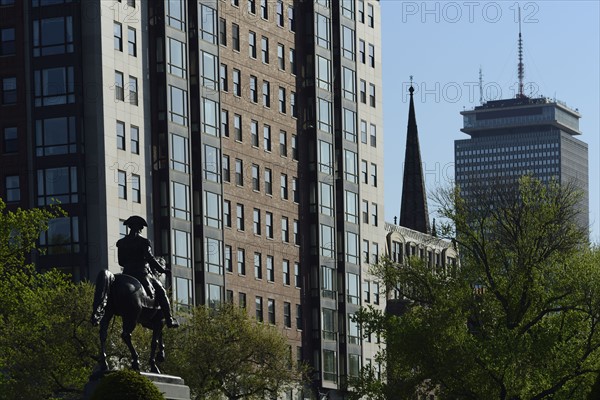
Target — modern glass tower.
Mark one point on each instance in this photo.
(513, 137)
(249, 134)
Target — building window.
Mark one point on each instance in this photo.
(178, 106)
(297, 278)
(352, 251)
(350, 168)
(352, 289)
(282, 105)
(296, 236)
(373, 135)
(264, 42)
(294, 147)
(255, 177)
(11, 143)
(327, 242)
(327, 282)
(374, 214)
(212, 169)
(181, 248)
(325, 120)
(351, 207)
(285, 230)
(284, 187)
(295, 190)
(133, 90)
(228, 262)
(179, 153)
(325, 198)
(325, 161)
(183, 293)
(254, 133)
(134, 133)
(256, 221)
(323, 73)
(208, 24)
(348, 43)
(239, 172)
(364, 173)
(267, 137)
(266, 94)
(62, 236)
(241, 261)
(291, 19)
(353, 338)
(176, 63)
(209, 71)
(348, 8)
(322, 31)
(131, 3)
(268, 181)
(242, 300)
(121, 181)
(374, 175)
(180, 201)
(226, 169)
(257, 266)
(240, 217)
(365, 211)
(362, 52)
(131, 42)
(269, 224)
(371, 95)
(365, 259)
(252, 6)
(349, 125)
(235, 37)
(120, 135)
(280, 21)
(227, 213)
(361, 11)
(363, 131)
(371, 55)
(136, 192)
(13, 188)
(210, 122)
(52, 86)
(363, 91)
(176, 14)
(293, 109)
(252, 44)
(293, 61)
(117, 34)
(258, 305)
(287, 314)
(375, 252)
(285, 267)
(222, 32)
(281, 56)
(7, 40)
(271, 311)
(225, 123)
(329, 331)
(270, 270)
(283, 143)
(370, 16)
(348, 84)
(253, 89)
(237, 88)
(237, 127)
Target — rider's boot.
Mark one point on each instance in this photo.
(161, 296)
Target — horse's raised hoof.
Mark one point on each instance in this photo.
(160, 357)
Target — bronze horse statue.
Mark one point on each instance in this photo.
(124, 295)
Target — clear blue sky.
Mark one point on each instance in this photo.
(443, 44)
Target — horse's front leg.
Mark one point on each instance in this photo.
(103, 364)
(128, 327)
(160, 357)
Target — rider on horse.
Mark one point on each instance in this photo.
(135, 256)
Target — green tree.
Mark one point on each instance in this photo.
(126, 385)
(517, 320)
(224, 352)
(46, 342)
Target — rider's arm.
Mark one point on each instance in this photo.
(154, 265)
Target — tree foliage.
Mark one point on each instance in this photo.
(517, 320)
(224, 352)
(126, 385)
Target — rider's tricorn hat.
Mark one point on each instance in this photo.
(135, 222)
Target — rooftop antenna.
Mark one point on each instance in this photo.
(521, 67)
(480, 85)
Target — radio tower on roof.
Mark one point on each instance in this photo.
(521, 66)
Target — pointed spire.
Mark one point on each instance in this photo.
(520, 66)
(413, 209)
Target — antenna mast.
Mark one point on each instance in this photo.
(480, 85)
(521, 67)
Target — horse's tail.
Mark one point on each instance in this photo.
(103, 282)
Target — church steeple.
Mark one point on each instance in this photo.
(413, 209)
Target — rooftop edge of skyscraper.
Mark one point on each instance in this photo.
(520, 112)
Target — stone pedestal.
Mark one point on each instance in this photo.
(172, 387)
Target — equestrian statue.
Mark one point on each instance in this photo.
(137, 295)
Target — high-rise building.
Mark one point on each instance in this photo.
(513, 137)
(249, 134)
